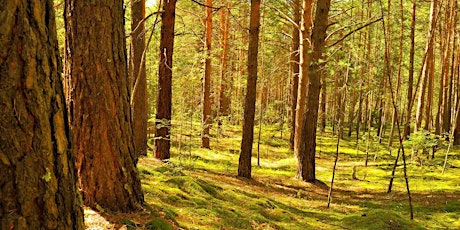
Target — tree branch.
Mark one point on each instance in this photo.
(353, 31)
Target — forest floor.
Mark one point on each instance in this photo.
(198, 188)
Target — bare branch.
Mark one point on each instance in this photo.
(353, 31)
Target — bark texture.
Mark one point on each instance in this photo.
(206, 97)
(295, 68)
(305, 49)
(98, 96)
(244, 165)
(38, 188)
(164, 100)
(138, 77)
(307, 150)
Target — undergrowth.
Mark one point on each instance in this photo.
(198, 188)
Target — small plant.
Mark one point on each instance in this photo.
(422, 140)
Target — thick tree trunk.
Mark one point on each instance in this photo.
(306, 156)
(226, 78)
(138, 77)
(98, 95)
(304, 49)
(206, 100)
(38, 183)
(295, 61)
(164, 99)
(244, 165)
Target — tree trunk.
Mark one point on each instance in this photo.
(99, 111)
(426, 66)
(410, 81)
(394, 118)
(226, 79)
(37, 177)
(138, 77)
(304, 48)
(306, 156)
(164, 100)
(206, 116)
(244, 165)
(295, 60)
(322, 106)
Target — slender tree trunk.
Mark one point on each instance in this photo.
(99, 111)
(164, 100)
(304, 48)
(398, 84)
(244, 165)
(306, 156)
(37, 177)
(206, 117)
(427, 64)
(138, 77)
(322, 106)
(295, 68)
(226, 79)
(410, 81)
(448, 61)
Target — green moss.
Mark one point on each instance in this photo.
(379, 219)
(159, 224)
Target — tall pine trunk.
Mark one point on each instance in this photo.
(98, 95)
(294, 63)
(164, 98)
(226, 77)
(206, 100)
(244, 165)
(138, 77)
(306, 156)
(304, 49)
(37, 171)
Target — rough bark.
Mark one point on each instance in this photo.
(164, 98)
(306, 156)
(304, 48)
(206, 100)
(295, 61)
(98, 95)
(138, 77)
(38, 187)
(244, 165)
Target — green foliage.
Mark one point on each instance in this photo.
(422, 140)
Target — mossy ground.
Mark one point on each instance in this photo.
(198, 188)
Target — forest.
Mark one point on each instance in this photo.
(229, 114)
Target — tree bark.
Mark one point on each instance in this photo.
(306, 156)
(295, 61)
(98, 95)
(164, 99)
(304, 49)
(138, 77)
(428, 63)
(206, 100)
(410, 81)
(244, 164)
(226, 79)
(38, 188)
